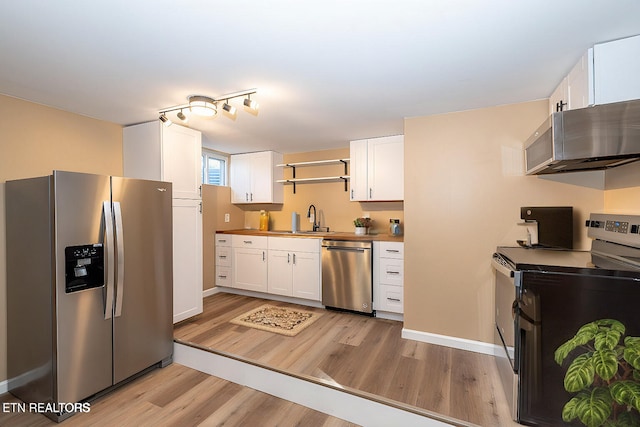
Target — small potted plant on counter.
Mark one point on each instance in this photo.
(362, 225)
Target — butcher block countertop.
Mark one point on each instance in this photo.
(335, 235)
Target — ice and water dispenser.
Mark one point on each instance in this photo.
(84, 267)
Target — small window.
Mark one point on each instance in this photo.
(214, 168)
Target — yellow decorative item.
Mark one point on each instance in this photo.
(264, 221)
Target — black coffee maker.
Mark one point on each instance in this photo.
(553, 225)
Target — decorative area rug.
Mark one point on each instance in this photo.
(281, 320)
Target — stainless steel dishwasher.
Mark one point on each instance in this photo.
(347, 275)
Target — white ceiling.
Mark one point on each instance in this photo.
(326, 71)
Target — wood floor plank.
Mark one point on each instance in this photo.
(179, 396)
(362, 353)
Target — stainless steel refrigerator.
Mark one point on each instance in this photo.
(89, 285)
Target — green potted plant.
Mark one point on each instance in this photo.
(605, 376)
(362, 225)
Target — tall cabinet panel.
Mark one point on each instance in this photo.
(153, 151)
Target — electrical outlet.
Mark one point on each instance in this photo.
(366, 215)
(227, 217)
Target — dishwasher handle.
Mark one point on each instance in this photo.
(343, 249)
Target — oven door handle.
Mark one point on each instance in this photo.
(525, 321)
(501, 268)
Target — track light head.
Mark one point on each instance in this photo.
(165, 120)
(202, 105)
(182, 117)
(229, 108)
(249, 103)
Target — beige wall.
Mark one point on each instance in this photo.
(35, 140)
(464, 187)
(335, 210)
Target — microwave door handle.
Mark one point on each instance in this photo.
(117, 214)
(110, 261)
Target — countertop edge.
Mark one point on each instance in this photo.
(337, 235)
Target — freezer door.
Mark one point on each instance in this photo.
(143, 327)
(83, 337)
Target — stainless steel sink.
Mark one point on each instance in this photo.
(301, 232)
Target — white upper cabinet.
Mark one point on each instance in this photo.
(157, 152)
(608, 72)
(377, 169)
(253, 178)
(617, 70)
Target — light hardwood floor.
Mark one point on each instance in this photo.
(362, 353)
(182, 397)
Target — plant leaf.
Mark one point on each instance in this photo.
(628, 419)
(607, 339)
(586, 333)
(570, 409)
(595, 407)
(626, 393)
(632, 355)
(563, 351)
(605, 363)
(632, 342)
(580, 373)
(613, 325)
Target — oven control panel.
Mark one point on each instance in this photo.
(623, 229)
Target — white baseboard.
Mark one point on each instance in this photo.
(274, 297)
(447, 341)
(4, 386)
(210, 291)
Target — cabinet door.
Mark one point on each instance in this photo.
(250, 269)
(279, 273)
(240, 178)
(580, 83)
(385, 173)
(559, 97)
(261, 178)
(617, 70)
(187, 259)
(306, 275)
(181, 160)
(358, 170)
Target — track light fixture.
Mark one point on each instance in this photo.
(165, 121)
(182, 117)
(229, 108)
(208, 107)
(251, 104)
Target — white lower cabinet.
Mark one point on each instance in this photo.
(388, 276)
(223, 260)
(249, 262)
(294, 267)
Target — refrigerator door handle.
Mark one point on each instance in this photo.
(117, 214)
(110, 254)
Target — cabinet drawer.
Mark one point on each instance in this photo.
(391, 299)
(223, 240)
(223, 276)
(391, 250)
(391, 271)
(243, 241)
(295, 244)
(223, 256)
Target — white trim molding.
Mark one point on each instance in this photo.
(448, 341)
(327, 399)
